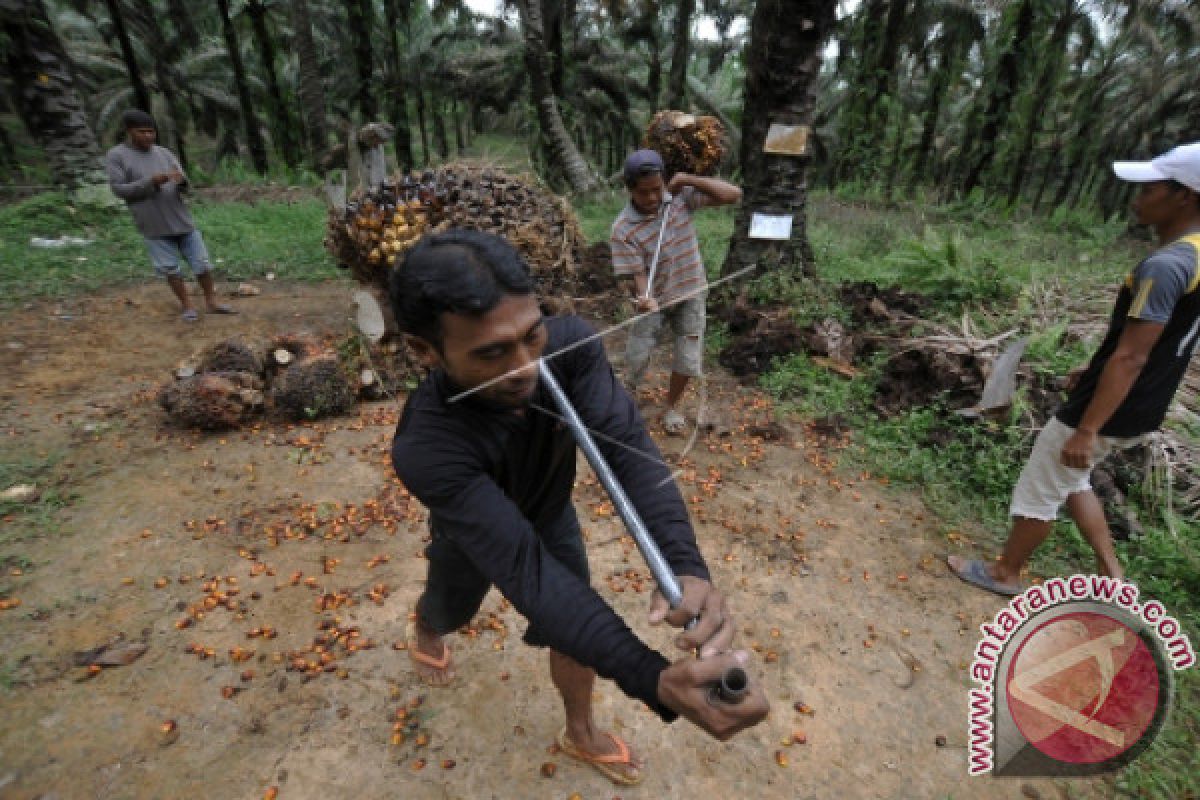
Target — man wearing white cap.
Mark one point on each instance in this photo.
(1124, 391)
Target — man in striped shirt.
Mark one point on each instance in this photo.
(677, 296)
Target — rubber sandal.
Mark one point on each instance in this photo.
(191, 315)
(607, 763)
(976, 573)
(222, 308)
(410, 637)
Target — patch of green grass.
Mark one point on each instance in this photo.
(968, 254)
(813, 390)
(244, 240)
(236, 171)
(23, 520)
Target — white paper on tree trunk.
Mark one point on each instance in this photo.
(770, 226)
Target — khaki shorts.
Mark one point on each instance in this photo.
(1046, 482)
(686, 320)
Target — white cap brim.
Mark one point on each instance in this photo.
(1138, 171)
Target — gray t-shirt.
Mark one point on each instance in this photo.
(157, 210)
(1164, 290)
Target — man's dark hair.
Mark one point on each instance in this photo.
(456, 272)
(136, 118)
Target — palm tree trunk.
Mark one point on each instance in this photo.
(1080, 142)
(552, 17)
(359, 14)
(460, 138)
(281, 121)
(422, 116)
(783, 60)
(312, 92)
(654, 65)
(1004, 90)
(185, 28)
(45, 94)
(440, 141)
(140, 93)
(396, 13)
(933, 109)
(1047, 170)
(1046, 83)
(563, 153)
(855, 109)
(677, 85)
(899, 128)
(254, 140)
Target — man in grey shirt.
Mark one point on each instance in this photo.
(1125, 390)
(150, 181)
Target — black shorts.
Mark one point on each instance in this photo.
(454, 588)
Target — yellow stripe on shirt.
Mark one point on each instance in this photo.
(1139, 302)
(1194, 240)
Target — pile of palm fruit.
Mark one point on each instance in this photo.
(378, 226)
(294, 376)
(687, 143)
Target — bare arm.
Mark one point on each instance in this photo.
(1118, 377)
(718, 192)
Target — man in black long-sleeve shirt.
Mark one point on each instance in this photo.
(496, 471)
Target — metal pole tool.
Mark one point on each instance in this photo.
(734, 683)
(662, 230)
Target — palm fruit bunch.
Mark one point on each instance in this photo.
(379, 225)
(214, 401)
(234, 355)
(307, 379)
(687, 143)
(312, 387)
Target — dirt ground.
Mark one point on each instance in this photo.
(837, 580)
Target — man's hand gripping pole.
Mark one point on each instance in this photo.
(734, 683)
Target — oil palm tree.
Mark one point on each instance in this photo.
(783, 62)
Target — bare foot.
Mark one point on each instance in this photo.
(610, 755)
(429, 655)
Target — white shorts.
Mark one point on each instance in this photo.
(1046, 482)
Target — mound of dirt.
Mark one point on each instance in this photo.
(872, 306)
(914, 377)
(760, 335)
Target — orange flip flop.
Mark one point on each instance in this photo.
(605, 763)
(410, 636)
